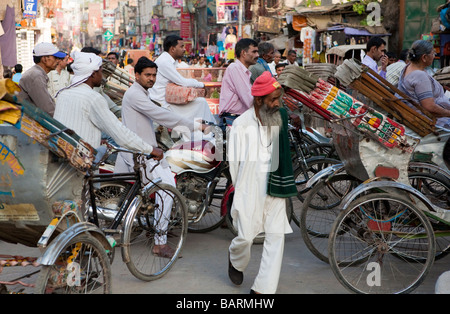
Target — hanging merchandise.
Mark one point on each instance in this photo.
(299, 22)
(8, 40)
(307, 36)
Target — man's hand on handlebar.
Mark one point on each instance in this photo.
(295, 121)
(206, 129)
(157, 153)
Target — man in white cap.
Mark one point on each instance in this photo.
(34, 82)
(86, 112)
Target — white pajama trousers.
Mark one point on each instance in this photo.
(163, 200)
(266, 281)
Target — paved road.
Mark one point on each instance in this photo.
(203, 269)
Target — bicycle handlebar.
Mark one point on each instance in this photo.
(115, 149)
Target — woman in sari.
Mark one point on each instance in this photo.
(417, 84)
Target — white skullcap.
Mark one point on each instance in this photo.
(84, 65)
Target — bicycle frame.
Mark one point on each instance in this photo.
(136, 188)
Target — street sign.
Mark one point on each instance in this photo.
(108, 36)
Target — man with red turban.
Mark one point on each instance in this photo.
(261, 171)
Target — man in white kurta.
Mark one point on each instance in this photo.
(250, 153)
(167, 73)
(138, 114)
(86, 112)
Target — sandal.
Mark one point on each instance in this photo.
(164, 251)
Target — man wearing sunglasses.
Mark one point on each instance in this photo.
(34, 82)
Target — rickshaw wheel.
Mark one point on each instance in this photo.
(82, 267)
(373, 240)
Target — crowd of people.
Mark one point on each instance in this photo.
(249, 101)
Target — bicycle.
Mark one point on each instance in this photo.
(138, 213)
(308, 159)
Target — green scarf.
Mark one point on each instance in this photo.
(281, 181)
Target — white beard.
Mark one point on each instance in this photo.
(271, 119)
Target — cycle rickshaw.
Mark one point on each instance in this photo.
(380, 216)
(41, 176)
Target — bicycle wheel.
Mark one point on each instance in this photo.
(259, 239)
(213, 217)
(82, 267)
(151, 222)
(372, 243)
(302, 174)
(320, 209)
(437, 189)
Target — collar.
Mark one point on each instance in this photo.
(169, 58)
(242, 66)
(40, 69)
(370, 59)
(140, 87)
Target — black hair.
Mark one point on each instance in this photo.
(91, 50)
(280, 65)
(404, 54)
(171, 41)
(375, 41)
(243, 45)
(144, 63)
(391, 54)
(113, 53)
(36, 59)
(18, 68)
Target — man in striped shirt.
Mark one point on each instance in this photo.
(394, 70)
(86, 112)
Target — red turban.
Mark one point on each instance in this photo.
(265, 84)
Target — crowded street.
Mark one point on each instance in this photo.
(224, 147)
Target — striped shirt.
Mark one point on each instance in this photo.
(235, 93)
(86, 112)
(394, 71)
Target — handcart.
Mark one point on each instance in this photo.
(41, 173)
(387, 228)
